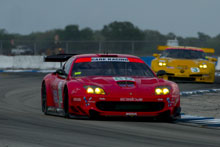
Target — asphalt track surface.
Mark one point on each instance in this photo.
(23, 124)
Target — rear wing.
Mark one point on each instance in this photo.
(58, 57)
(206, 50)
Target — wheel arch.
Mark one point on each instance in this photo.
(65, 89)
(48, 92)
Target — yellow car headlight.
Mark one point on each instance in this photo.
(94, 90)
(162, 90)
(203, 66)
(162, 63)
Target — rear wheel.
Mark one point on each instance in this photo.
(66, 104)
(44, 99)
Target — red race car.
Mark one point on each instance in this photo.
(95, 85)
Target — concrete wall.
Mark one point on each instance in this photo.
(26, 62)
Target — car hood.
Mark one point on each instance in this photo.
(124, 86)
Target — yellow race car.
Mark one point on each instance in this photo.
(185, 64)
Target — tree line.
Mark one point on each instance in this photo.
(115, 31)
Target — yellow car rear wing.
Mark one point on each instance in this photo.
(206, 50)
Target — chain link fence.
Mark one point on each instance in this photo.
(138, 48)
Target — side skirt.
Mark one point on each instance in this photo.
(60, 112)
(55, 111)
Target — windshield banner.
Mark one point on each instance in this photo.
(95, 59)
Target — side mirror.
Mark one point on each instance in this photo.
(161, 73)
(156, 55)
(211, 59)
(61, 73)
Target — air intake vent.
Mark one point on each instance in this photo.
(125, 83)
(130, 106)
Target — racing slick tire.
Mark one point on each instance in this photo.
(165, 117)
(66, 103)
(94, 115)
(44, 99)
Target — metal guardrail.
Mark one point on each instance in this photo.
(48, 47)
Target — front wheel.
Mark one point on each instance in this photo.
(66, 104)
(165, 117)
(44, 99)
(94, 115)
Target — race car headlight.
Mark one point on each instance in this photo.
(203, 66)
(162, 90)
(90, 90)
(162, 63)
(94, 90)
(99, 91)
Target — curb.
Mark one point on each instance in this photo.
(199, 92)
(198, 120)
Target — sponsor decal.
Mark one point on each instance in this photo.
(75, 90)
(132, 99)
(51, 109)
(131, 114)
(205, 75)
(169, 102)
(77, 99)
(102, 99)
(55, 96)
(160, 99)
(91, 102)
(96, 59)
(87, 102)
(60, 94)
(123, 79)
(77, 73)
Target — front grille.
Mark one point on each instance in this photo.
(170, 74)
(196, 75)
(181, 79)
(130, 106)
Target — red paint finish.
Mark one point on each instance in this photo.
(124, 95)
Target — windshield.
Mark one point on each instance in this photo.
(183, 54)
(111, 69)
